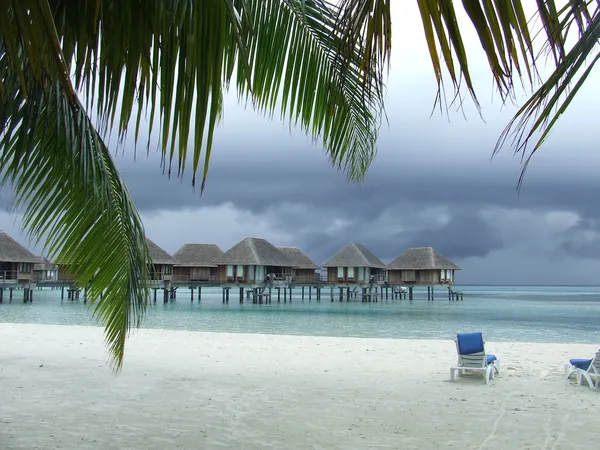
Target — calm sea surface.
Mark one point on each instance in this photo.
(532, 313)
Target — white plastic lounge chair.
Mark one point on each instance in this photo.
(572, 365)
(472, 357)
(591, 373)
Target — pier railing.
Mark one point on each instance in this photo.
(195, 279)
(8, 275)
(310, 278)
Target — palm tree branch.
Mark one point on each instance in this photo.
(192, 49)
(541, 112)
(73, 198)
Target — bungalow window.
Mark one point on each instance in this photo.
(340, 274)
(251, 272)
(240, 272)
(24, 267)
(166, 270)
(260, 273)
(351, 273)
(229, 271)
(367, 273)
(361, 273)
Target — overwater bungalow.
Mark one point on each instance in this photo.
(304, 270)
(16, 262)
(424, 265)
(194, 262)
(354, 264)
(45, 270)
(251, 260)
(162, 263)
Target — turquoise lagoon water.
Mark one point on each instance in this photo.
(532, 313)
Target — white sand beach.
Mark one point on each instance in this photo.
(190, 390)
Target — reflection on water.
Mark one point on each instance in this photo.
(539, 314)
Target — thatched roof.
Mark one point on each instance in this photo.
(423, 258)
(254, 251)
(197, 255)
(44, 264)
(354, 255)
(158, 255)
(299, 259)
(13, 252)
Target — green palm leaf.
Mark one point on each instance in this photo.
(513, 50)
(73, 197)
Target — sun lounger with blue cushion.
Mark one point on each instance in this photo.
(472, 357)
(572, 365)
(588, 369)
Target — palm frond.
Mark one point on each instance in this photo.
(295, 56)
(285, 51)
(504, 35)
(550, 101)
(513, 49)
(368, 24)
(71, 193)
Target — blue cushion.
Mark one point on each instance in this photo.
(469, 343)
(491, 358)
(583, 364)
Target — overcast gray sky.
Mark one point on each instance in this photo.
(432, 184)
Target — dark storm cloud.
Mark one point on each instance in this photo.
(258, 184)
(583, 240)
(463, 237)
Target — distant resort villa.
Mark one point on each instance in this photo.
(256, 267)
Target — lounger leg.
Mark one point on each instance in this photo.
(589, 380)
(487, 374)
(452, 374)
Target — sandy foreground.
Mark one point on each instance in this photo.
(190, 390)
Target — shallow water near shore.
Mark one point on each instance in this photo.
(558, 314)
